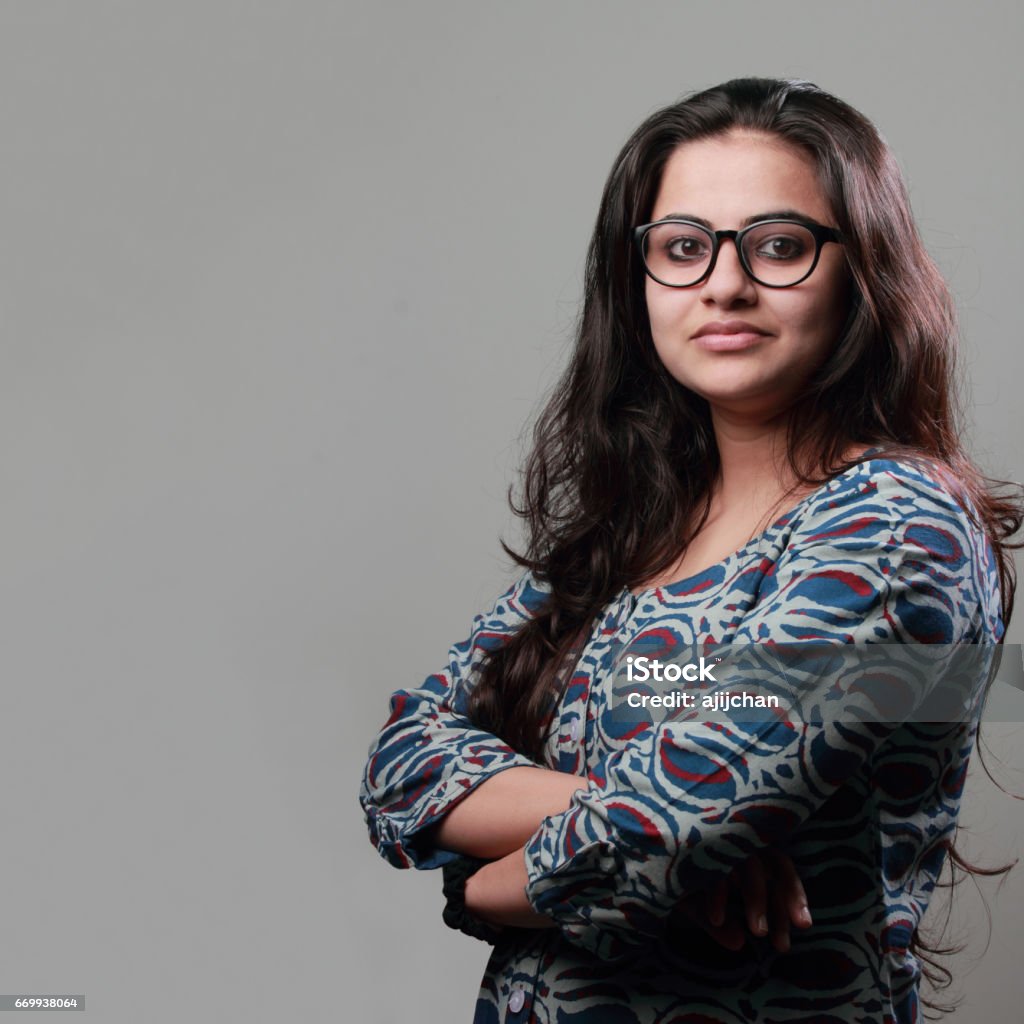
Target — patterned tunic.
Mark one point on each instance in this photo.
(882, 553)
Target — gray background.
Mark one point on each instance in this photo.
(281, 286)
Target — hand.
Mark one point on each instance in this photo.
(773, 900)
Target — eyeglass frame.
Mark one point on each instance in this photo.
(821, 234)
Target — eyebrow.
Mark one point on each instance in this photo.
(753, 219)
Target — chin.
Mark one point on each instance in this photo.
(756, 400)
(731, 390)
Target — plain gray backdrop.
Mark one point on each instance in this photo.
(282, 286)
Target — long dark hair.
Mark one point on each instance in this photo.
(620, 474)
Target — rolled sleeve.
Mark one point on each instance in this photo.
(428, 755)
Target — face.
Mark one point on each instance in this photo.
(756, 373)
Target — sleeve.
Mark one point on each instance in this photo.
(889, 561)
(428, 756)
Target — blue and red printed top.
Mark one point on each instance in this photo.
(882, 553)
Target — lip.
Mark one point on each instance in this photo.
(728, 335)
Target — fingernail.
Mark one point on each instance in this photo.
(762, 925)
(805, 916)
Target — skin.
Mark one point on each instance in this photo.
(725, 180)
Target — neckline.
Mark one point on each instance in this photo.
(867, 455)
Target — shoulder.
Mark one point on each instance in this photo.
(524, 599)
(894, 493)
(492, 628)
(901, 522)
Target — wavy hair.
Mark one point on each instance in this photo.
(624, 458)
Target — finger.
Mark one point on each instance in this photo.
(788, 881)
(729, 935)
(779, 920)
(755, 895)
(717, 897)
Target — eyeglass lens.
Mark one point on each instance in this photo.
(777, 254)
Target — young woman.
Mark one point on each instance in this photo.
(755, 442)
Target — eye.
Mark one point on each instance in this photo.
(685, 248)
(780, 247)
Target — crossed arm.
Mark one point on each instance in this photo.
(496, 820)
(862, 567)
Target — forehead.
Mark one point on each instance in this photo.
(735, 176)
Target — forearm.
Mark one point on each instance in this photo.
(497, 893)
(500, 814)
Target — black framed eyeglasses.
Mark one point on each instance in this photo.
(774, 253)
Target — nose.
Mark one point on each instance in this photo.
(728, 284)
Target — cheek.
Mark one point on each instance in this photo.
(809, 318)
(667, 308)
(831, 301)
(653, 307)
(815, 318)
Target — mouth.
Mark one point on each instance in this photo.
(728, 336)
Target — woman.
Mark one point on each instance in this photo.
(755, 442)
